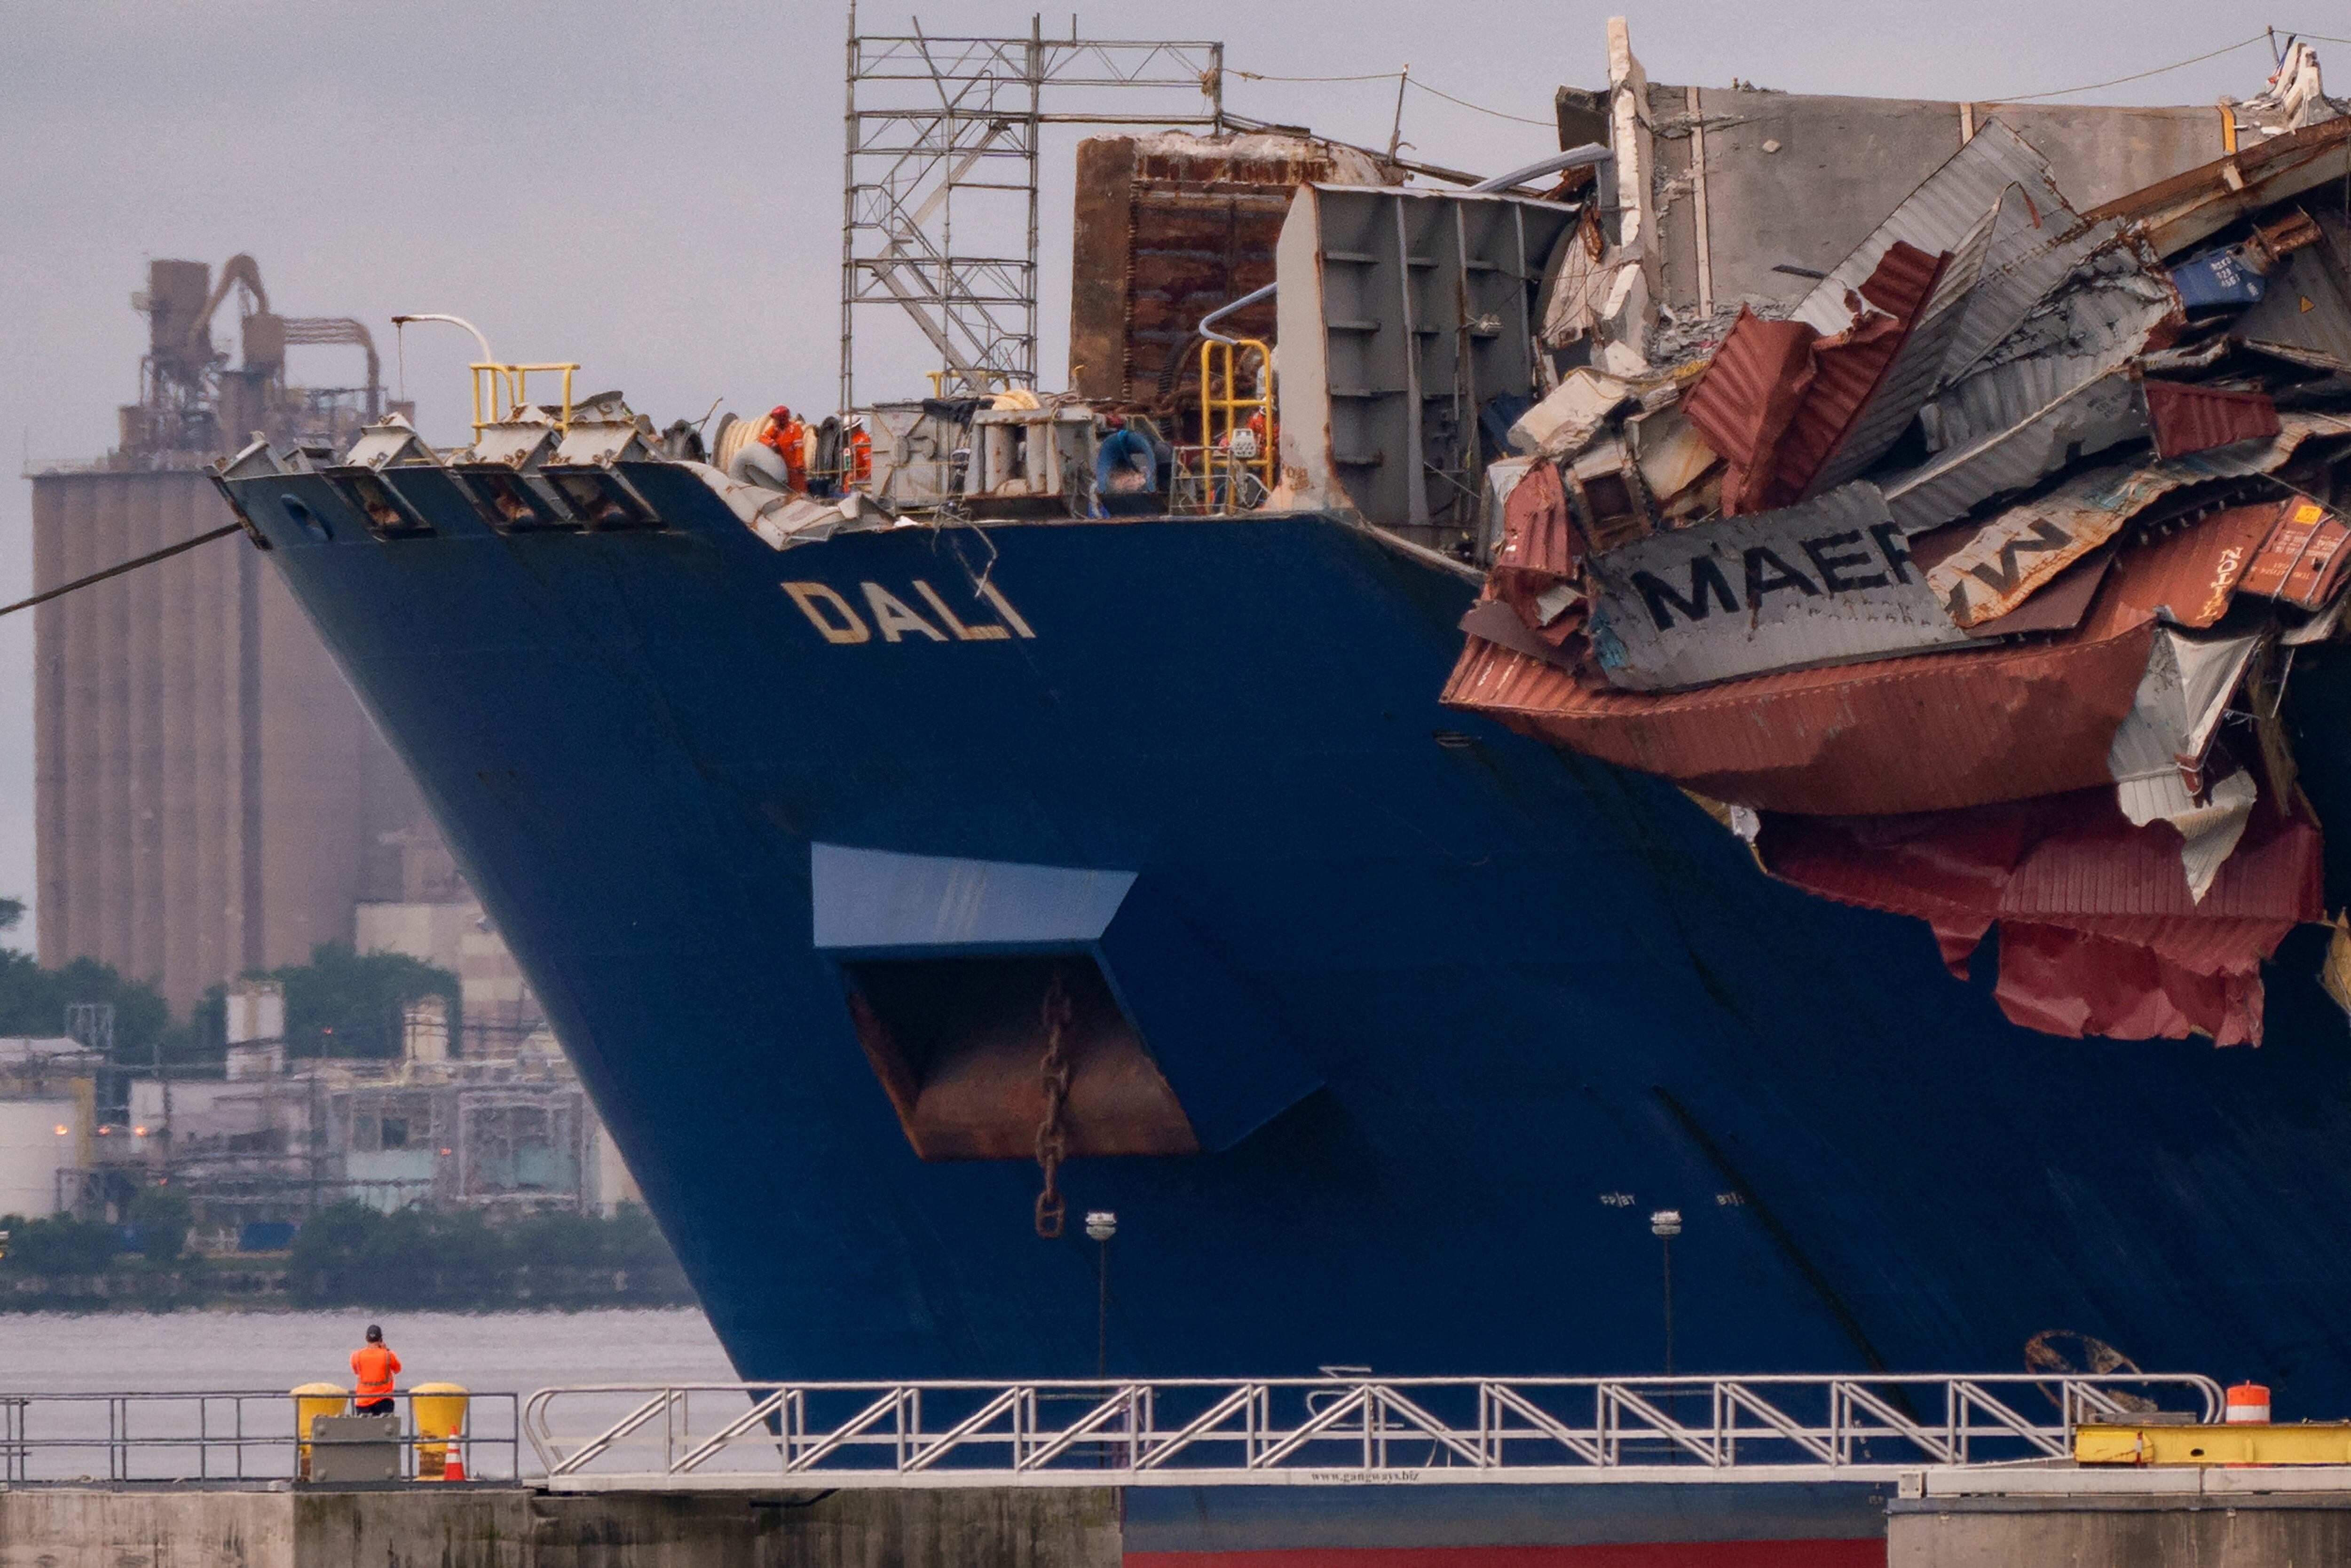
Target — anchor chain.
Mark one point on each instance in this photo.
(1053, 1136)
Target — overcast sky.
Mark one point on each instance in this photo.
(653, 191)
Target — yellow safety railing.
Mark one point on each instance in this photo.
(508, 390)
(987, 378)
(1226, 408)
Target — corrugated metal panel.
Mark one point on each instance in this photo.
(1930, 732)
(1849, 376)
(1941, 214)
(2189, 577)
(2090, 418)
(2007, 294)
(2184, 417)
(2099, 933)
(1823, 582)
(1780, 403)
(2010, 557)
(1915, 369)
(2306, 317)
(1743, 400)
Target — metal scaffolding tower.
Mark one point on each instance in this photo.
(940, 179)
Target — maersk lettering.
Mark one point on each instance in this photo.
(1838, 557)
(838, 621)
(1832, 565)
(1707, 585)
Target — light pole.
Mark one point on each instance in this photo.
(1102, 1224)
(1664, 1225)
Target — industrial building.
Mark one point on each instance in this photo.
(210, 799)
(272, 1141)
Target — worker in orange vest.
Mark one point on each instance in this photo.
(374, 1366)
(860, 454)
(784, 435)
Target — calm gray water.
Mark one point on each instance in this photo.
(503, 1352)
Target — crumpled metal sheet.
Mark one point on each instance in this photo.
(2161, 749)
(1749, 390)
(2184, 417)
(2026, 547)
(1886, 408)
(1927, 732)
(1788, 403)
(1825, 582)
(2009, 290)
(1851, 370)
(1939, 215)
(2306, 317)
(2099, 933)
(1539, 549)
(2190, 576)
(2088, 418)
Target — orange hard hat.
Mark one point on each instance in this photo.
(779, 413)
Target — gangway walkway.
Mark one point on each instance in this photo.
(1324, 1431)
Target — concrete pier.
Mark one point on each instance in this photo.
(482, 1525)
(2255, 1517)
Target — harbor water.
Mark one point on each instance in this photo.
(61, 1352)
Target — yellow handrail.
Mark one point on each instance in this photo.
(987, 378)
(509, 388)
(1225, 411)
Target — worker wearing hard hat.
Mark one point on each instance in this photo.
(860, 455)
(783, 432)
(373, 1367)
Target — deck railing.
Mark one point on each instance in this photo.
(1324, 1430)
(217, 1435)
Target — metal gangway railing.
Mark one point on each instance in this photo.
(1193, 1432)
(216, 1434)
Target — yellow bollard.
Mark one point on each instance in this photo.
(311, 1401)
(439, 1411)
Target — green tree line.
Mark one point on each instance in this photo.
(340, 1003)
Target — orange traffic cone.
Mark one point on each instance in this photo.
(454, 1470)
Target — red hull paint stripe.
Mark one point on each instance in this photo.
(1867, 1554)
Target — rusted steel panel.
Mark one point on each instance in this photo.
(1929, 732)
(1098, 256)
(2185, 418)
(1827, 581)
(1749, 391)
(2304, 559)
(2099, 933)
(2191, 577)
(1170, 227)
(1850, 370)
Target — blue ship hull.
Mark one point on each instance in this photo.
(1493, 1003)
